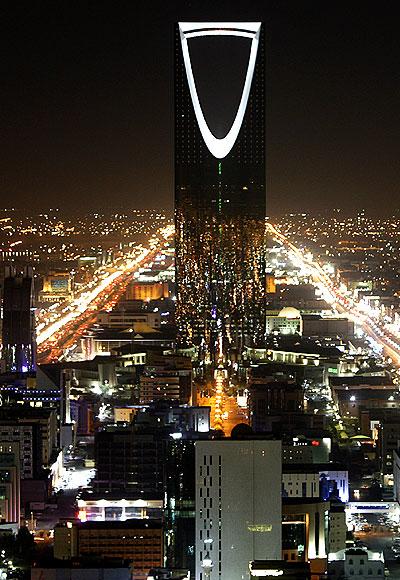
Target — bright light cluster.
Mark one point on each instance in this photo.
(220, 147)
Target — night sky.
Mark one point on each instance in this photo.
(86, 112)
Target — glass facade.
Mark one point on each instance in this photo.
(220, 201)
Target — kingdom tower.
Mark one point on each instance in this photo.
(220, 186)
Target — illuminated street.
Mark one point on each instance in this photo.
(56, 337)
(225, 412)
(375, 328)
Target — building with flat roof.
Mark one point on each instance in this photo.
(137, 541)
(238, 506)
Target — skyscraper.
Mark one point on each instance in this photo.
(19, 341)
(220, 185)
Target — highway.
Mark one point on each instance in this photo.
(375, 328)
(59, 330)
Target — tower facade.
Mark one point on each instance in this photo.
(220, 185)
(19, 340)
(238, 506)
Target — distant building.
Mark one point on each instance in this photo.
(147, 291)
(105, 341)
(296, 351)
(109, 507)
(180, 487)
(57, 286)
(388, 426)
(288, 321)
(122, 318)
(185, 419)
(300, 484)
(137, 541)
(268, 396)
(306, 449)
(302, 295)
(166, 377)
(130, 459)
(238, 506)
(360, 393)
(19, 340)
(326, 327)
(315, 480)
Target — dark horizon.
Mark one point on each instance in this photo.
(87, 104)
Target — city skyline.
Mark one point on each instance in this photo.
(213, 393)
(87, 105)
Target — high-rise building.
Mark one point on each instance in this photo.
(220, 185)
(19, 341)
(238, 506)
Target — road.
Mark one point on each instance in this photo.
(57, 336)
(231, 413)
(376, 329)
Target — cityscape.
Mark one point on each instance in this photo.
(208, 387)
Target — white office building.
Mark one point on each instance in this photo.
(238, 506)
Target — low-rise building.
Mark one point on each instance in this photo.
(315, 325)
(287, 321)
(356, 564)
(122, 318)
(137, 541)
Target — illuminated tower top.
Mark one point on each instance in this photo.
(220, 147)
